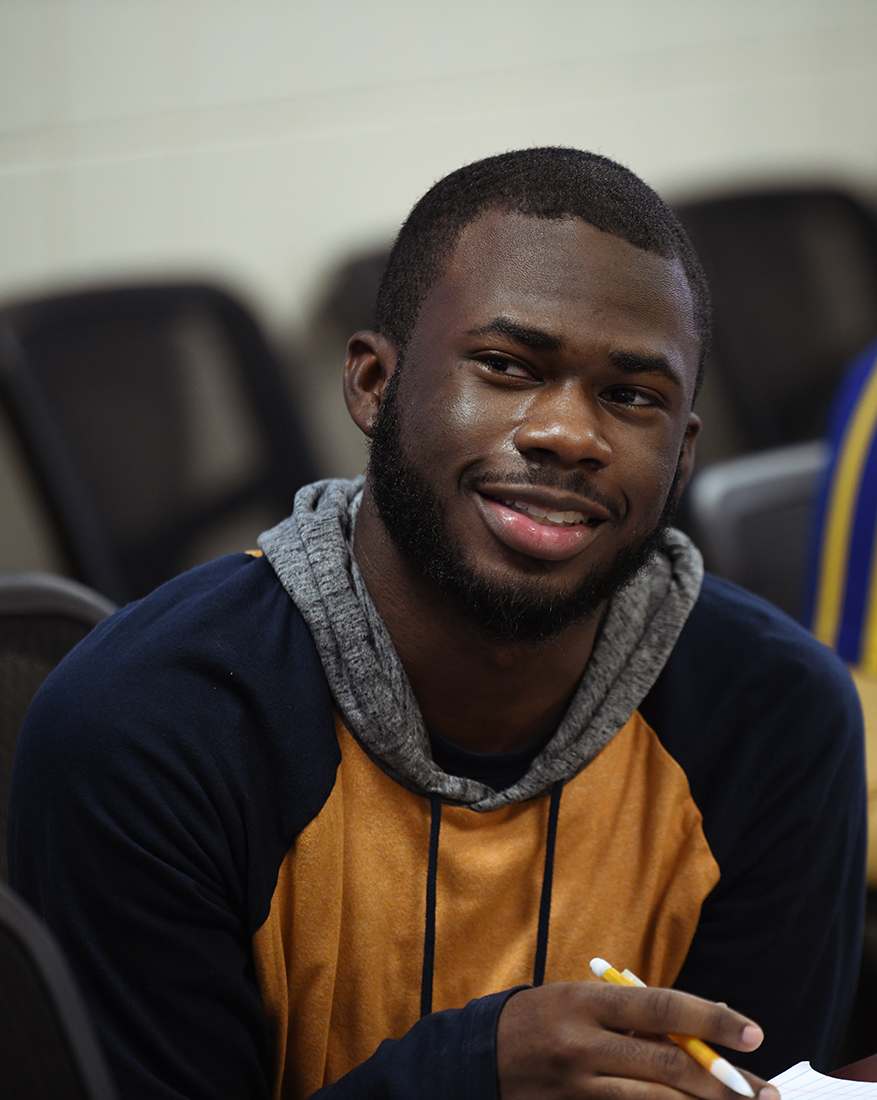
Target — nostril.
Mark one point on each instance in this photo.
(571, 444)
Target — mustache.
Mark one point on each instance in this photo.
(573, 481)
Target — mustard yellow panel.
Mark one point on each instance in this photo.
(340, 956)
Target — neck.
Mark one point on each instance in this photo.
(481, 694)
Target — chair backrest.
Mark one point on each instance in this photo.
(751, 518)
(841, 606)
(47, 1048)
(41, 618)
(794, 280)
(158, 423)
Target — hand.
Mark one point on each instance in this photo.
(590, 1040)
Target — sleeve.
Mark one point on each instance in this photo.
(128, 848)
(778, 770)
(161, 775)
(449, 1055)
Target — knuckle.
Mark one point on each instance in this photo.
(595, 998)
(615, 998)
(563, 1051)
(578, 999)
(668, 1007)
(610, 1048)
(563, 1044)
(666, 1062)
(719, 1018)
(609, 1088)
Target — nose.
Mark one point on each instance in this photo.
(563, 421)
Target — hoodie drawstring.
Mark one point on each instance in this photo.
(547, 878)
(435, 807)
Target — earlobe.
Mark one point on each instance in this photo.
(371, 360)
(686, 458)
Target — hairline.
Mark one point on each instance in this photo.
(444, 255)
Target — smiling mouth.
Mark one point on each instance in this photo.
(549, 518)
(539, 531)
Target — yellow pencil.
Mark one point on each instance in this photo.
(717, 1065)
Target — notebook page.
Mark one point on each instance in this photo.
(802, 1082)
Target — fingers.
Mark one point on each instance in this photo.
(669, 1012)
(598, 1042)
(641, 1059)
(626, 1088)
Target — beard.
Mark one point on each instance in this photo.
(526, 610)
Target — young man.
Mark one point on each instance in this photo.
(358, 813)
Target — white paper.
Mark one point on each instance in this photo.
(802, 1082)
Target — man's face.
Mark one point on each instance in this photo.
(526, 457)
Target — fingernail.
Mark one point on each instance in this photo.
(769, 1093)
(753, 1037)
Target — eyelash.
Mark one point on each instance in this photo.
(500, 360)
(502, 365)
(648, 401)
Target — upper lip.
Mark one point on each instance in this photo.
(550, 499)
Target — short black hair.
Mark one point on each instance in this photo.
(548, 182)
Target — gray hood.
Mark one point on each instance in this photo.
(311, 553)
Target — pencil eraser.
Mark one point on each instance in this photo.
(600, 966)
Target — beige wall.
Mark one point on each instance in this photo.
(259, 142)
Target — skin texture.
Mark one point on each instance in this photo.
(589, 1039)
(605, 399)
(552, 364)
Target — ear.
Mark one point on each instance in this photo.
(371, 360)
(686, 458)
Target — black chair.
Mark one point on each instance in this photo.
(158, 424)
(348, 301)
(41, 618)
(47, 1048)
(794, 279)
(751, 519)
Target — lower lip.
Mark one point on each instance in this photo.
(538, 540)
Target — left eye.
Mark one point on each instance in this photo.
(628, 395)
(509, 367)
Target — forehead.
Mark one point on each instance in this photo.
(568, 278)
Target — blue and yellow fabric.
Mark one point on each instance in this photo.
(841, 607)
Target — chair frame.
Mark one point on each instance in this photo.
(49, 594)
(45, 957)
(722, 496)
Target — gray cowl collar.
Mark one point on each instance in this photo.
(311, 553)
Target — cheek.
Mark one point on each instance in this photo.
(649, 479)
(456, 424)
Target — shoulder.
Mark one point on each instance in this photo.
(735, 642)
(748, 698)
(766, 725)
(233, 601)
(203, 702)
(212, 640)
(225, 617)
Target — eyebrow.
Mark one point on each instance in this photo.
(629, 362)
(536, 338)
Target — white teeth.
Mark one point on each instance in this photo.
(553, 519)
